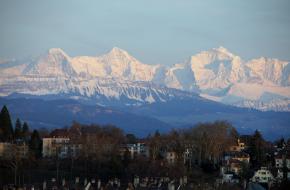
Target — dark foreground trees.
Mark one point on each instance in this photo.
(6, 128)
(102, 155)
(19, 148)
(209, 140)
(35, 144)
(194, 152)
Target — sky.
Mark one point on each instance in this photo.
(153, 31)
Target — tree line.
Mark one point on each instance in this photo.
(100, 154)
(20, 133)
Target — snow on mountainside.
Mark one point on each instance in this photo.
(55, 63)
(224, 77)
(216, 69)
(216, 74)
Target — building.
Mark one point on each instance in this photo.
(241, 156)
(230, 178)
(5, 149)
(170, 156)
(55, 147)
(282, 160)
(8, 150)
(187, 156)
(279, 161)
(233, 162)
(239, 146)
(280, 175)
(58, 144)
(22, 149)
(234, 166)
(137, 149)
(263, 176)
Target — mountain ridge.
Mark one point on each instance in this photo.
(216, 74)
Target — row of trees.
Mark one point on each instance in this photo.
(7, 132)
(205, 141)
(20, 134)
(100, 152)
(19, 139)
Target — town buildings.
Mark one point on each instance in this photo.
(263, 175)
(137, 149)
(58, 144)
(238, 147)
(8, 150)
(235, 158)
(282, 160)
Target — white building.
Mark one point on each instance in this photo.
(229, 178)
(137, 150)
(187, 156)
(280, 160)
(58, 144)
(280, 175)
(263, 176)
(55, 146)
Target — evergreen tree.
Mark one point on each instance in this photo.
(157, 134)
(1, 134)
(6, 125)
(35, 144)
(257, 149)
(25, 131)
(18, 129)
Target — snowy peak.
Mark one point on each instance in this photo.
(216, 74)
(117, 55)
(215, 54)
(119, 63)
(115, 64)
(118, 52)
(57, 55)
(224, 51)
(269, 71)
(54, 63)
(216, 68)
(57, 52)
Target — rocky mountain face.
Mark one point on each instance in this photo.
(216, 74)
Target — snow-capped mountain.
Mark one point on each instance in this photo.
(116, 64)
(259, 83)
(104, 80)
(216, 74)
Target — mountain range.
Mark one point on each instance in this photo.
(213, 84)
(216, 74)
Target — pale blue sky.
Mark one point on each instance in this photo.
(154, 31)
